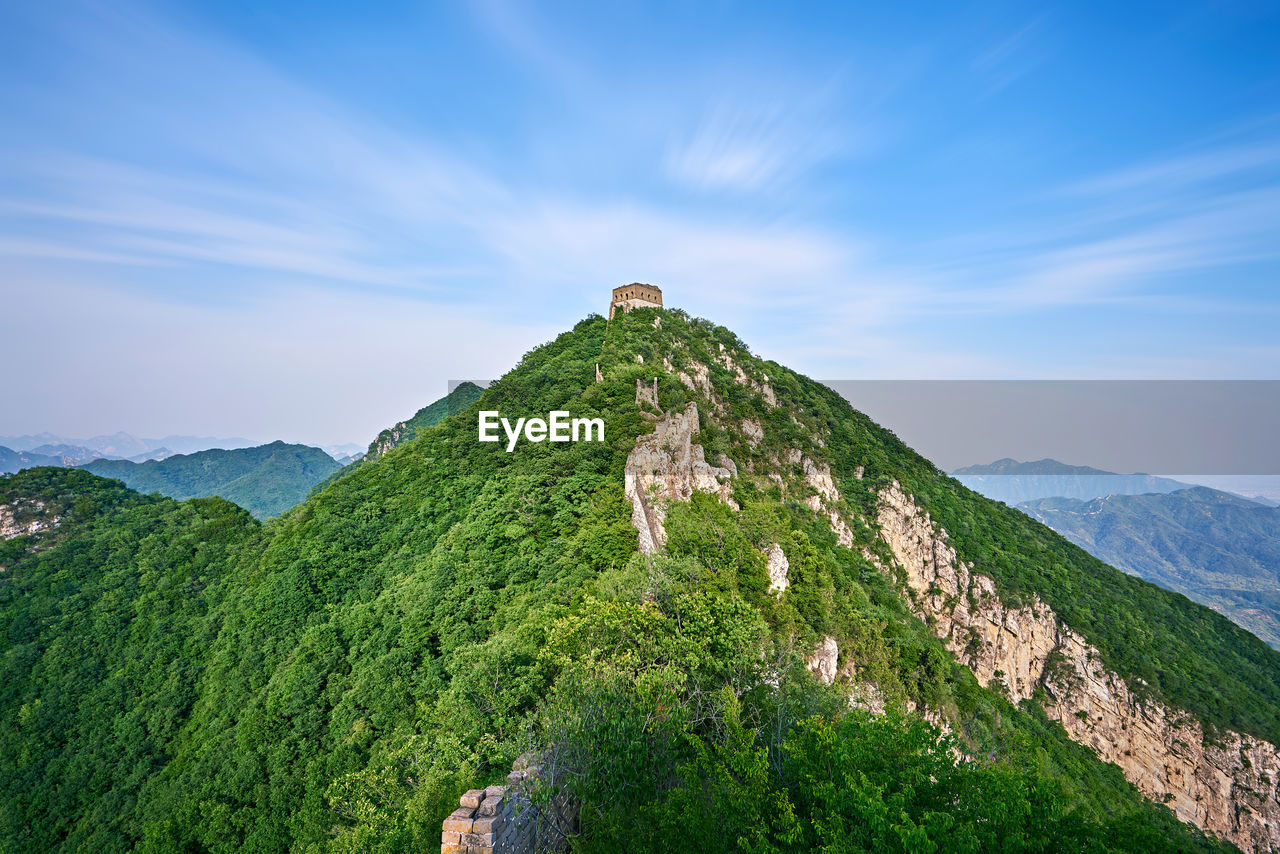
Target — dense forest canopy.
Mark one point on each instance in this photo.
(265, 480)
(175, 676)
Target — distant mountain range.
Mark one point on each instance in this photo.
(266, 480)
(117, 446)
(1214, 547)
(1218, 548)
(11, 460)
(49, 449)
(70, 455)
(1014, 482)
(347, 450)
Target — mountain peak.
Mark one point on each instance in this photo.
(410, 629)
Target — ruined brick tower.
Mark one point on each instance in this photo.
(635, 295)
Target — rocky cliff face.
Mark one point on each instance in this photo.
(825, 659)
(778, 567)
(25, 517)
(665, 466)
(387, 440)
(1229, 788)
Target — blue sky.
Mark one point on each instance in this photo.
(300, 220)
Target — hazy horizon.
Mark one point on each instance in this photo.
(225, 221)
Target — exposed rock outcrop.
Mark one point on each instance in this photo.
(778, 567)
(824, 660)
(666, 466)
(387, 440)
(740, 377)
(1229, 788)
(646, 394)
(818, 478)
(728, 464)
(866, 695)
(25, 517)
(697, 378)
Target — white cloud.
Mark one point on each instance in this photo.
(1011, 57)
(270, 186)
(755, 147)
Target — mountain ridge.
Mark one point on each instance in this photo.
(401, 636)
(1014, 482)
(1008, 465)
(124, 445)
(266, 480)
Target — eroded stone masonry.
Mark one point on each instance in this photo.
(635, 295)
(511, 819)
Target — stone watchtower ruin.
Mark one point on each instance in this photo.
(635, 295)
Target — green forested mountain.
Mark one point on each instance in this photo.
(105, 624)
(1217, 548)
(266, 480)
(458, 400)
(176, 677)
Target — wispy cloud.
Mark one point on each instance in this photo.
(517, 28)
(756, 205)
(1176, 173)
(320, 191)
(1012, 56)
(1115, 237)
(750, 148)
(742, 262)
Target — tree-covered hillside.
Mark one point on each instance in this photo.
(178, 678)
(266, 480)
(457, 400)
(104, 629)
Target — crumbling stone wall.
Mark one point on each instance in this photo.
(526, 816)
